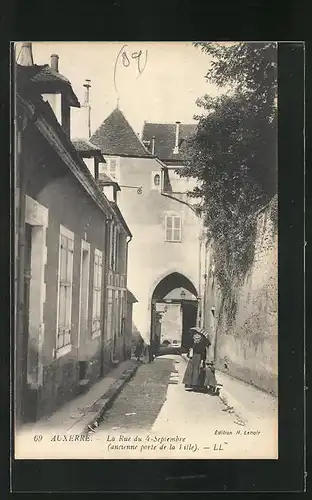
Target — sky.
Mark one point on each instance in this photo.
(172, 77)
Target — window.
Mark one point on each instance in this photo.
(173, 228)
(112, 167)
(65, 288)
(156, 180)
(117, 313)
(116, 240)
(97, 293)
(122, 312)
(84, 291)
(112, 247)
(122, 243)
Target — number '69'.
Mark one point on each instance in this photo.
(38, 437)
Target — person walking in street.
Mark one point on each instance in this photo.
(151, 351)
(194, 376)
(139, 349)
(210, 381)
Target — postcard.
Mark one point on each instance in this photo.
(146, 292)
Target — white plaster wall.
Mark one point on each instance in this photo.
(151, 258)
(55, 101)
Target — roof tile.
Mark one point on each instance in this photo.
(116, 137)
(50, 80)
(165, 134)
(84, 145)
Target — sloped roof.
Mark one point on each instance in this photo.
(106, 179)
(47, 74)
(25, 74)
(49, 80)
(165, 134)
(116, 137)
(131, 297)
(85, 146)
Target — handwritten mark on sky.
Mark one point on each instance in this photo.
(126, 58)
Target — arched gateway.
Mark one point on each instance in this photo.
(174, 304)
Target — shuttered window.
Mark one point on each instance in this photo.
(65, 288)
(97, 293)
(173, 228)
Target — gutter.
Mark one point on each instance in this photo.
(121, 218)
(163, 193)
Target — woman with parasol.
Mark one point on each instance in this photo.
(197, 355)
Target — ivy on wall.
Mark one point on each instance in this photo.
(233, 155)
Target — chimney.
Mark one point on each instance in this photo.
(153, 146)
(87, 86)
(86, 105)
(25, 57)
(54, 62)
(176, 147)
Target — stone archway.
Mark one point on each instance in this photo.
(185, 304)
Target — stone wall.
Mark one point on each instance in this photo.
(246, 346)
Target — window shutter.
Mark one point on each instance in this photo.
(168, 224)
(176, 228)
(65, 283)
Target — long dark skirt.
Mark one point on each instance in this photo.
(210, 378)
(191, 375)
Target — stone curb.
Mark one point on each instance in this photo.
(101, 405)
(229, 401)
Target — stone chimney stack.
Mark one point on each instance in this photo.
(176, 147)
(87, 86)
(25, 57)
(54, 62)
(86, 105)
(153, 145)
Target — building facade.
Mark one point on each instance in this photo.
(164, 252)
(67, 271)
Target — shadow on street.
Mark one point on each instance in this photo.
(164, 350)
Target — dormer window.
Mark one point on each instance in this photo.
(61, 108)
(112, 167)
(65, 116)
(57, 90)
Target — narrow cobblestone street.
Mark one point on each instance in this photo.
(155, 399)
(155, 404)
(141, 400)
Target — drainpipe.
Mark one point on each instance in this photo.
(108, 221)
(205, 287)
(126, 299)
(199, 321)
(126, 266)
(215, 335)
